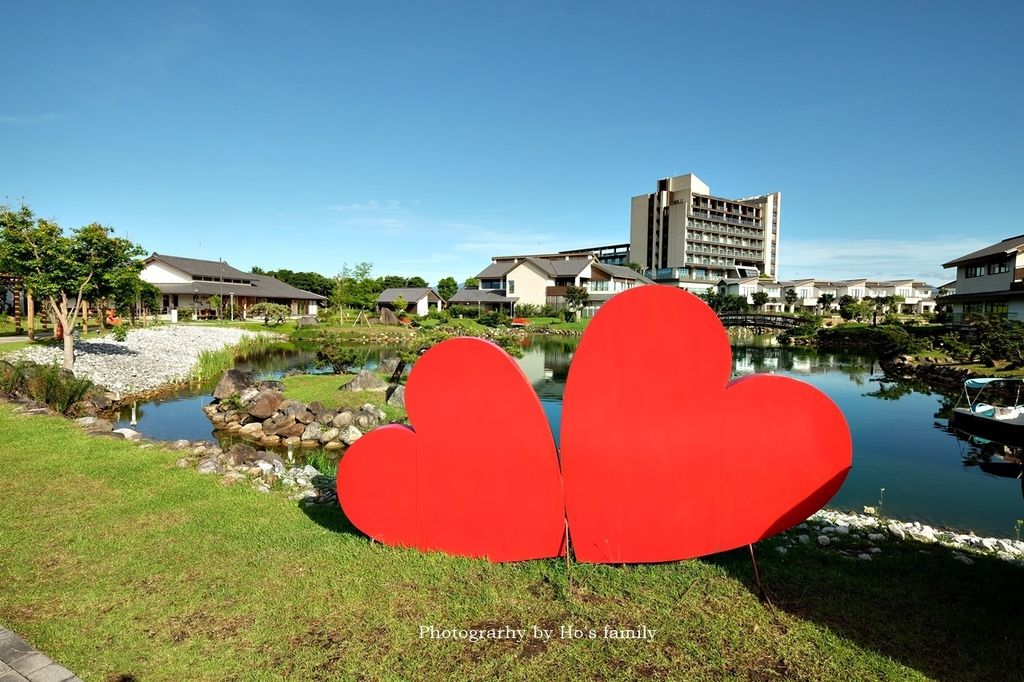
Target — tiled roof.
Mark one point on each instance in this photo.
(1007, 246)
(409, 294)
(202, 268)
(481, 296)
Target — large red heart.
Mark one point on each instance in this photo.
(478, 476)
(664, 459)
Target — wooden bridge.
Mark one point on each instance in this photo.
(761, 320)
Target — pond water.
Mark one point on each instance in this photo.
(900, 438)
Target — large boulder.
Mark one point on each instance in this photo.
(329, 435)
(366, 421)
(389, 365)
(234, 382)
(295, 429)
(312, 432)
(366, 381)
(342, 419)
(277, 423)
(396, 396)
(239, 454)
(350, 434)
(266, 404)
(292, 407)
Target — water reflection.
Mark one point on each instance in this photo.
(901, 439)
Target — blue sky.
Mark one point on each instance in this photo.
(426, 137)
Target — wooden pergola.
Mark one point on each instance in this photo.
(15, 284)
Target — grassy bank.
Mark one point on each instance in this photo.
(324, 388)
(161, 573)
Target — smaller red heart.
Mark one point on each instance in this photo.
(476, 476)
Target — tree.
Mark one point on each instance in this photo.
(791, 297)
(845, 301)
(416, 283)
(149, 297)
(760, 299)
(65, 270)
(858, 310)
(355, 287)
(400, 304)
(215, 304)
(826, 301)
(447, 287)
(636, 266)
(576, 298)
(472, 283)
(271, 311)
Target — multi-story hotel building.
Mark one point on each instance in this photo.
(685, 236)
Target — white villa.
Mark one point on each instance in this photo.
(190, 282)
(418, 300)
(543, 280)
(989, 281)
(918, 297)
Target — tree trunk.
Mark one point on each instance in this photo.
(31, 304)
(85, 317)
(69, 351)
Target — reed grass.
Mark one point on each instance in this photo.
(212, 363)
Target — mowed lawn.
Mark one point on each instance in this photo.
(121, 565)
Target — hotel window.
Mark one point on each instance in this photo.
(511, 286)
(974, 271)
(997, 268)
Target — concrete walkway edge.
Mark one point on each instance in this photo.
(21, 662)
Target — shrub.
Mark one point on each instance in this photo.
(185, 314)
(57, 387)
(528, 310)
(120, 332)
(12, 376)
(495, 318)
(336, 351)
(547, 310)
(468, 311)
(271, 311)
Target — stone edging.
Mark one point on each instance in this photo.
(21, 661)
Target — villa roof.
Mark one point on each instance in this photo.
(202, 268)
(481, 296)
(622, 272)
(259, 286)
(1005, 247)
(408, 294)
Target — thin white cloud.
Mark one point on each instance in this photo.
(29, 120)
(372, 205)
(873, 258)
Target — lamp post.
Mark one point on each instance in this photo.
(232, 306)
(220, 299)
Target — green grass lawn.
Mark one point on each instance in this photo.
(117, 563)
(324, 388)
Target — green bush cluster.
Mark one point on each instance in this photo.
(185, 314)
(338, 352)
(119, 331)
(49, 384)
(271, 311)
(495, 318)
(468, 311)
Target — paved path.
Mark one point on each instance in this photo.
(19, 662)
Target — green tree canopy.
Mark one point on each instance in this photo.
(447, 287)
(65, 270)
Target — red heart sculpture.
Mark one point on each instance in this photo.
(664, 459)
(478, 477)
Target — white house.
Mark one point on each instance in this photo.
(418, 300)
(544, 280)
(190, 282)
(989, 281)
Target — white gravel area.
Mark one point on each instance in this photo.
(147, 359)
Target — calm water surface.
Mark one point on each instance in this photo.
(900, 442)
(899, 437)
